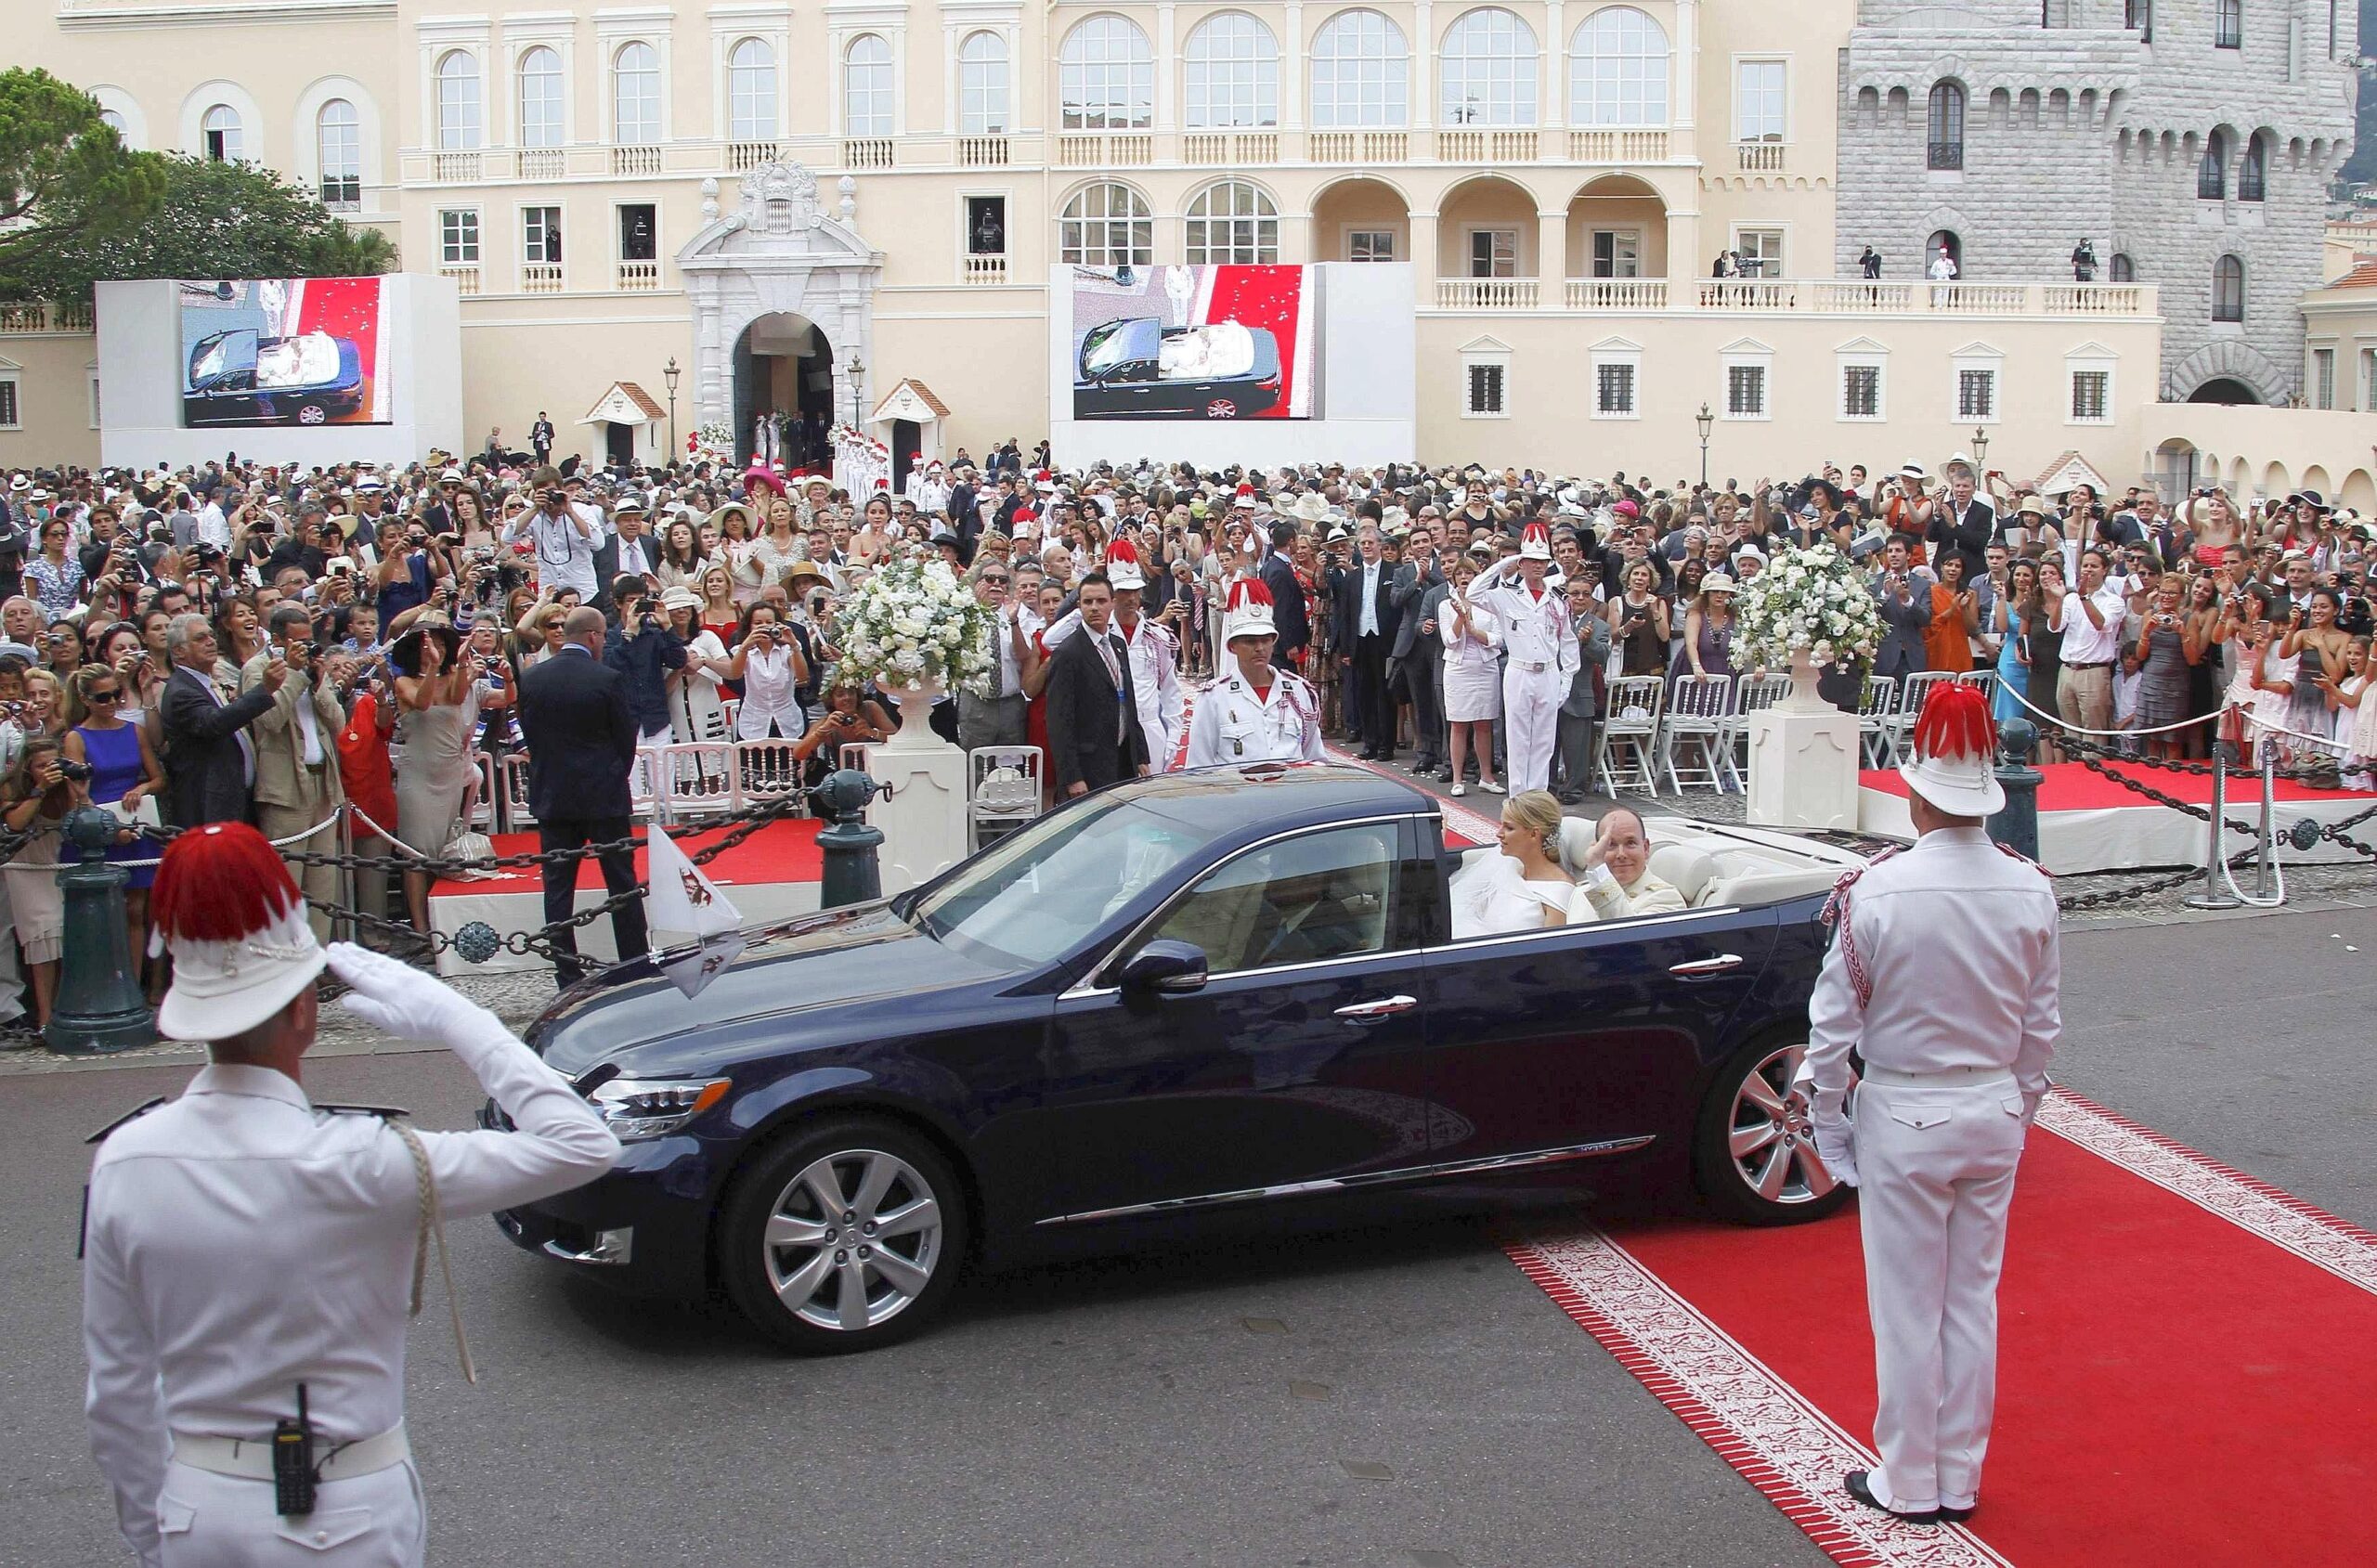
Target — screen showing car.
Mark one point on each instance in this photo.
(283, 351)
(1196, 343)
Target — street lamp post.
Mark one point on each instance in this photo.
(669, 372)
(1704, 418)
(1981, 450)
(855, 370)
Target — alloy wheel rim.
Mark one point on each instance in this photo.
(852, 1240)
(1771, 1139)
(1220, 409)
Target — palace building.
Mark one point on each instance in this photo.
(859, 209)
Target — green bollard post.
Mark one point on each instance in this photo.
(99, 1007)
(850, 875)
(2017, 826)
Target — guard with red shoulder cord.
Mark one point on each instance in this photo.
(1945, 975)
(252, 1257)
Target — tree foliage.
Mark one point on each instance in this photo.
(213, 220)
(66, 180)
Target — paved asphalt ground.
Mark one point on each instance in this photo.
(1398, 1395)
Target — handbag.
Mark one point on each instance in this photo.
(469, 844)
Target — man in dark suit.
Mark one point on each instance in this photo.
(1094, 735)
(210, 759)
(1417, 659)
(1278, 574)
(1905, 600)
(1365, 628)
(581, 736)
(628, 550)
(1964, 522)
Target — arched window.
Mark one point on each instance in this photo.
(1943, 142)
(113, 121)
(1233, 73)
(1233, 222)
(222, 134)
(540, 98)
(1361, 73)
(458, 101)
(1106, 76)
(338, 148)
(635, 95)
(866, 87)
(2253, 174)
(1618, 70)
(2229, 24)
(982, 84)
(2122, 269)
(751, 91)
(2228, 289)
(2212, 173)
(1106, 226)
(1489, 71)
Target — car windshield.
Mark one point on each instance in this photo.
(1033, 897)
(1118, 343)
(211, 363)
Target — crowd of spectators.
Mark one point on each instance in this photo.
(270, 642)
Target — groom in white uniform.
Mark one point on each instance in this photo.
(1539, 644)
(1945, 974)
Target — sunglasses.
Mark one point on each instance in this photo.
(111, 695)
(994, 578)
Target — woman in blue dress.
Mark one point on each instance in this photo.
(123, 774)
(2011, 619)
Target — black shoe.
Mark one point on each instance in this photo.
(1957, 1515)
(1854, 1484)
(1570, 797)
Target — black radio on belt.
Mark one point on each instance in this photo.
(292, 1463)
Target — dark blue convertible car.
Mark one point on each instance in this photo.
(241, 377)
(1224, 991)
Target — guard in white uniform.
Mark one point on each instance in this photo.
(251, 1259)
(1945, 974)
(1254, 712)
(1155, 656)
(1539, 645)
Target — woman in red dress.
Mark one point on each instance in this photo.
(1035, 681)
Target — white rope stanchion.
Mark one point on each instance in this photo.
(2070, 729)
(56, 866)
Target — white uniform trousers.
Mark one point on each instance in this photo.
(210, 1521)
(1936, 1171)
(1531, 720)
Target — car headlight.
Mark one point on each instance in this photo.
(651, 1108)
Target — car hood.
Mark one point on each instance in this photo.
(639, 1016)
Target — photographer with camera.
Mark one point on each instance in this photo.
(41, 788)
(563, 541)
(297, 781)
(645, 653)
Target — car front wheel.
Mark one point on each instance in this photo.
(1222, 408)
(1755, 1150)
(844, 1235)
(312, 414)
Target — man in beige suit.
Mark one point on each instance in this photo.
(297, 744)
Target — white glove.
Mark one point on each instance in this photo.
(407, 1003)
(1836, 1134)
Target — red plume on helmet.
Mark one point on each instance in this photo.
(1534, 542)
(220, 883)
(1956, 723)
(1248, 591)
(1122, 552)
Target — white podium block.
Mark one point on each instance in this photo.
(922, 807)
(1803, 759)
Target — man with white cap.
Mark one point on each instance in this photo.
(1945, 975)
(1155, 654)
(248, 1252)
(1253, 711)
(1540, 644)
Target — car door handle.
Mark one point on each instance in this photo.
(1703, 968)
(1370, 1012)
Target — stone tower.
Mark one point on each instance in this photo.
(2190, 141)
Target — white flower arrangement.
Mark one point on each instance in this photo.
(914, 620)
(1813, 598)
(713, 442)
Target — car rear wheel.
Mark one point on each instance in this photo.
(844, 1235)
(312, 414)
(1755, 1149)
(1222, 408)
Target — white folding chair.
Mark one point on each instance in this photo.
(1877, 704)
(482, 800)
(697, 777)
(1002, 791)
(1698, 706)
(728, 707)
(1984, 679)
(645, 796)
(766, 769)
(1912, 693)
(511, 774)
(1630, 734)
(1751, 694)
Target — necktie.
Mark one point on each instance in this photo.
(1113, 673)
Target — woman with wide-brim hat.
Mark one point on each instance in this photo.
(437, 694)
(695, 710)
(1707, 631)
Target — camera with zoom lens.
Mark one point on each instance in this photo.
(70, 768)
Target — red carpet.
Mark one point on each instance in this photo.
(784, 851)
(2071, 787)
(2186, 1375)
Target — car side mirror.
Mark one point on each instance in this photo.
(1164, 968)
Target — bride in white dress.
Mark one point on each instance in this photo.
(1523, 888)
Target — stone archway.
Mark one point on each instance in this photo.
(2227, 360)
(778, 255)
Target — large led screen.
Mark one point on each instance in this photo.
(1196, 343)
(283, 351)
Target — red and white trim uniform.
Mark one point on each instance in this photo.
(1234, 724)
(1540, 658)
